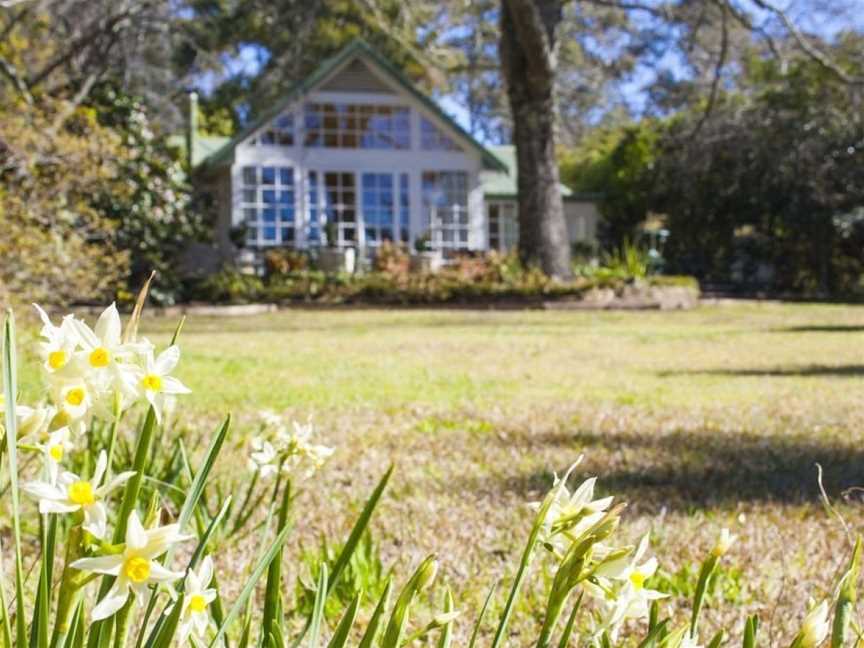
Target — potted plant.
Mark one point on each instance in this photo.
(333, 258)
(245, 258)
(425, 259)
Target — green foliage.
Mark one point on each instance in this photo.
(364, 574)
(629, 261)
(617, 162)
(155, 218)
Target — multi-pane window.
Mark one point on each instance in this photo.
(340, 207)
(445, 207)
(357, 126)
(378, 208)
(280, 132)
(404, 209)
(432, 139)
(268, 205)
(503, 226)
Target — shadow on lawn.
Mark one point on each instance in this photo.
(682, 470)
(822, 328)
(839, 371)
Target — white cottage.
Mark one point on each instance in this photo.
(357, 146)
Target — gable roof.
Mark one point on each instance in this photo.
(505, 185)
(355, 49)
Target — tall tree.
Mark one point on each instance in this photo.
(701, 36)
(529, 58)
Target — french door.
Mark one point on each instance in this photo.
(361, 209)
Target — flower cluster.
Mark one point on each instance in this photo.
(280, 449)
(577, 529)
(97, 373)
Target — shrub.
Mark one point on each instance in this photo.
(285, 261)
(391, 259)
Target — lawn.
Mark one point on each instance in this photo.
(700, 419)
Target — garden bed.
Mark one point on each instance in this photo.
(525, 290)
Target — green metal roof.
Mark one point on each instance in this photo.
(357, 48)
(205, 146)
(504, 185)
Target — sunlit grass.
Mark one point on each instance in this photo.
(740, 356)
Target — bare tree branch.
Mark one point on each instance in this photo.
(718, 69)
(805, 45)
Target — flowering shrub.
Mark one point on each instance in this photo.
(137, 553)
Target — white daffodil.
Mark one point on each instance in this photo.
(72, 493)
(103, 345)
(300, 452)
(688, 641)
(31, 422)
(631, 600)
(262, 459)
(725, 541)
(136, 568)
(59, 342)
(74, 402)
(55, 449)
(197, 596)
(570, 515)
(157, 385)
(815, 628)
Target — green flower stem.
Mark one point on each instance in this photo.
(122, 622)
(71, 588)
(112, 439)
(100, 632)
(553, 612)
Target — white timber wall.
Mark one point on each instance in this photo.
(413, 161)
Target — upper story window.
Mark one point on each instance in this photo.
(280, 132)
(432, 139)
(357, 126)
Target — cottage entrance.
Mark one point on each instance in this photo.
(359, 208)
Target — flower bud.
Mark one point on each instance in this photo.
(444, 618)
(814, 630)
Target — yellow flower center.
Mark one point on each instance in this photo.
(152, 382)
(56, 452)
(137, 569)
(81, 493)
(57, 359)
(638, 580)
(197, 603)
(75, 396)
(99, 357)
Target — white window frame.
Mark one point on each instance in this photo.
(258, 205)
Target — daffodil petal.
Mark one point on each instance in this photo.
(101, 565)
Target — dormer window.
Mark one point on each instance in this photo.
(357, 126)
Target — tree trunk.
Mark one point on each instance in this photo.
(528, 59)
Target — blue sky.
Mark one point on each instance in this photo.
(249, 58)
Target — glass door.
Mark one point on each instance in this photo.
(378, 208)
(340, 207)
